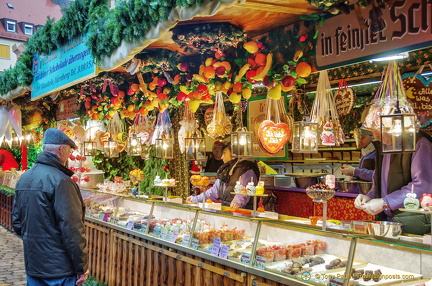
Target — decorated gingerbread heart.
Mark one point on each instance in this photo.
(273, 136)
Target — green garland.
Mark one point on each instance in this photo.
(156, 60)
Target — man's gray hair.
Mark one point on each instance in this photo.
(51, 147)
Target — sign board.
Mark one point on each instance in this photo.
(68, 65)
(342, 41)
(418, 90)
(68, 108)
(256, 114)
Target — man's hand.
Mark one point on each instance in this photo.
(82, 278)
(360, 201)
(374, 206)
(234, 206)
(348, 170)
(189, 199)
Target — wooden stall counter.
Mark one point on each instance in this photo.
(295, 202)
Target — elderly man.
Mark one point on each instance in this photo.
(48, 213)
(366, 166)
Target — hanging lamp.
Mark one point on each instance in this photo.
(305, 137)
(110, 148)
(164, 141)
(89, 148)
(241, 140)
(398, 130)
(134, 145)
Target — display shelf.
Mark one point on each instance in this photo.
(254, 196)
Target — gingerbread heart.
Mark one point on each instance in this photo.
(272, 136)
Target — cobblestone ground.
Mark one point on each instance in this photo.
(11, 259)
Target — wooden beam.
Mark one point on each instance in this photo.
(275, 7)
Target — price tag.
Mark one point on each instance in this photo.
(101, 216)
(223, 253)
(130, 225)
(260, 262)
(216, 246)
(105, 217)
(195, 243)
(172, 236)
(215, 250)
(163, 234)
(245, 257)
(217, 242)
(185, 241)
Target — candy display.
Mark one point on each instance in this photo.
(283, 252)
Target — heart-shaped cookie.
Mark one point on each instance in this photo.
(272, 136)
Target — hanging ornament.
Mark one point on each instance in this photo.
(273, 135)
(344, 99)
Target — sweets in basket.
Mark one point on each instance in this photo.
(320, 192)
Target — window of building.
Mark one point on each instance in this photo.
(11, 26)
(28, 29)
(4, 51)
(10, 6)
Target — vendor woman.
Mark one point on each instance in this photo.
(243, 170)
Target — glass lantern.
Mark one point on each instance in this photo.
(134, 145)
(110, 148)
(305, 137)
(398, 133)
(165, 147)
(241, 143)
(195, 148)
(89, 148)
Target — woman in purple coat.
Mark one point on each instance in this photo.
(233, 170)
(366, 166)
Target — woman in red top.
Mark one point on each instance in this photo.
(7, 160)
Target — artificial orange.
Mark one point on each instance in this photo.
(135, 87)
(260, 59)
(237, 87)
(209, 201)
(303, 69)
(209, 72)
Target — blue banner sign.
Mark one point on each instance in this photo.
(68, 65)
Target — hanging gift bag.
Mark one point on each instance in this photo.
(220, 126)
(388, 94)
(324, 113)
(273, 135)
(344, 99)
(187, 127)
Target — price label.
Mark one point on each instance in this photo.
(185, 241)
(164, 234)
(215, 250)
(172, 236)
(245, 257)
(217, 242)
(105, 217)
(260, 262)
(195, 243)
(101, 216)
(223, 253)
(130, 225)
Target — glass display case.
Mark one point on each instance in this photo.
(283, 251)
(225, 235)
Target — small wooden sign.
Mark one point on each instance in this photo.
(68, 108)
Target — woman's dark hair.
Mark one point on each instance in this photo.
(226, 145)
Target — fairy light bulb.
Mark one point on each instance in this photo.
(242, 140)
